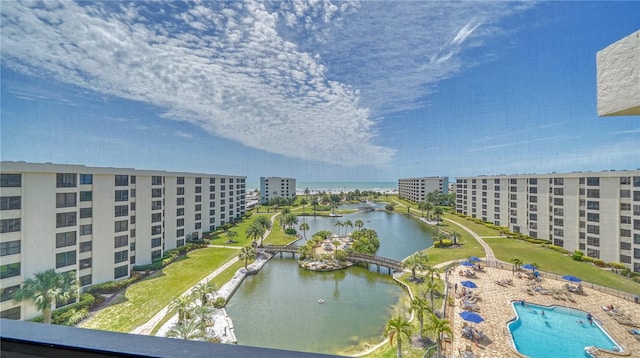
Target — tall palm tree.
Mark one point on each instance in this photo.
(46, 288)
(255, 232)
(314, 205)
(438, 326)
(454, 237)
(304, 227)
(421, 207)
(431, 289)
(428, 206)
(438, 211)
(181, 305)
(189, 329)
(359, 224)
(347, 223)
(202, 290)
(303, 202)
(203, 314)
(247, 253)
(419, 307)
(398, 326)
(338, 224)
(414, 263)
(264, 222)
(289, 221)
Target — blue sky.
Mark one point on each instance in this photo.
(317, 90)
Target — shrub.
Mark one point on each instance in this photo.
(442, 243)
(219, 302)
(599, 263)
(290, 231)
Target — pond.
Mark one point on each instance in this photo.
(278, 308)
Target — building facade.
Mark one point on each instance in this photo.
(595, 212)
(276, 187)
(99, 222)
(416, 189)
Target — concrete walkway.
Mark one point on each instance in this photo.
(487, 249)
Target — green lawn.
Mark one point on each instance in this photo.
(144, 299)
(240, 229)
(555, 262)
(479, 229)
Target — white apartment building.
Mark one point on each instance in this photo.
(99, 222)
(273, 187)
(595, 212)
(416, 189)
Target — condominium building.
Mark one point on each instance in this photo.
(416, 189)
(276, 187)
(595, 212)
(99, 222)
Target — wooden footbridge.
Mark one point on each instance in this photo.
(379, 261)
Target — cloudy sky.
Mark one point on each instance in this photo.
(317, 90)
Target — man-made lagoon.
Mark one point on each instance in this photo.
(278, 308)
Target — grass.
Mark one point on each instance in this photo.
(219, 281)
(240, 229)
(144, 299)
(555, 262)
(479, 229)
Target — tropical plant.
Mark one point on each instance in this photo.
(264, 222)
(304, 227)
(189, 329)
(428, 207)
(46, 288)
(414, 263)
(438, 211)
(202, 290)
(231, 235)
(454, 237)
(303, 202)
(181, 305)
(359, 224)
(438, 326)
(247, 253)
(338, 224)
(204, 316)
(431, 289)
(314, 205)
(398, 327)
(389, 207)
(517, 262)
(289, 221)
(347, 223)
(336, 243)
(255, 231)
(419, 307)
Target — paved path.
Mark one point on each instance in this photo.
(487, 249)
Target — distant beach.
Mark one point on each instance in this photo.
(337, 187)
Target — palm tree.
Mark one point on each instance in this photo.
(255, 232)
(432, 272)
(398, 326)
(336, 243)
(454, 237)
(359, 224)
(46, 288)
(419, 306)
(438, 211)
(439, 326)
(415, 263)
(304, 227)
(347, 223)
(517, 262)
(303, 202)
(289, 221)
(202, 290)
(338, 224)
(203, 315)
(231, 235)
(264, 222)
(314, 205)
(431, 290)
(189, 329)
(428, 206)
(247, 253)
(334, 206)
(181, 305)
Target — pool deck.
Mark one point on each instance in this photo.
(495, 308)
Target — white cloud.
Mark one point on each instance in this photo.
(297, 79)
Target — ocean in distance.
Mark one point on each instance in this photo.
(336, 187)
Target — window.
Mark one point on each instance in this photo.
(198, 226)
(625, 233)
(625, 220)
(198, 189)
(86, 213)
(625, 207)
(180, 212)
(132, 193)
(157, 217)
(132, 179)
(593, 253)
(86, 229)
(66, 180)
(180, 180)
(132, 206)
(156, 180)
(593, 229)
(533, 199)
(198, 216)
(122, 195)
(64, 239)
(156, 193)
(132, 246)
(180, 233)
(10, 270)
(212, 204)
(65, 219)
(156, 205)
(212, 196)
(122, 180)
(86, 195)
(10, 248)
(10, 180)
(9, 225)
(8, 293)
(593, 193)
(212, 212)
(636, 224)
(558, 181)
(625, 259)
(593, 241)
(122, 225)
(558, 232)
(198, 207)
(636, 239)
(558, 191)
(180, 222)
(156, 230)
(594, 205)
(558, 201)
(65, 200)
(558, 222)
(66, 259)
(155, 242)
(132, 259)
(593, 217)
(180, 201)
(198, 180)
(10, 202)
(156, 254)
(212, 180)
(636, 210)
(85, 263)
(11, 313)
(180, 191)
(624, 193)
(179, 242)
(558, 211)
(593, 181)
(120, 241)
(132, 233)
(625, 246)
(636, 196)
(86, 179)
(198, 198)
(120, 256)
(121, 271)
(85, 280)
(122, 210)
(533, 190)
(636, 182)
(86, 246)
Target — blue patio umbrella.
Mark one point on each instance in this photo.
(529, 266)
(474, 259)
(571, 278)
(466, 263)
(471, 317)
(468, 284)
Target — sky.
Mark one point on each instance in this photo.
(314, 90)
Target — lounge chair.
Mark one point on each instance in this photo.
(627, 321)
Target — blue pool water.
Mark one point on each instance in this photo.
(557, 333)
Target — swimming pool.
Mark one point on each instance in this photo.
(559, 332)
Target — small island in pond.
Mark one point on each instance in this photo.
(326, 251)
